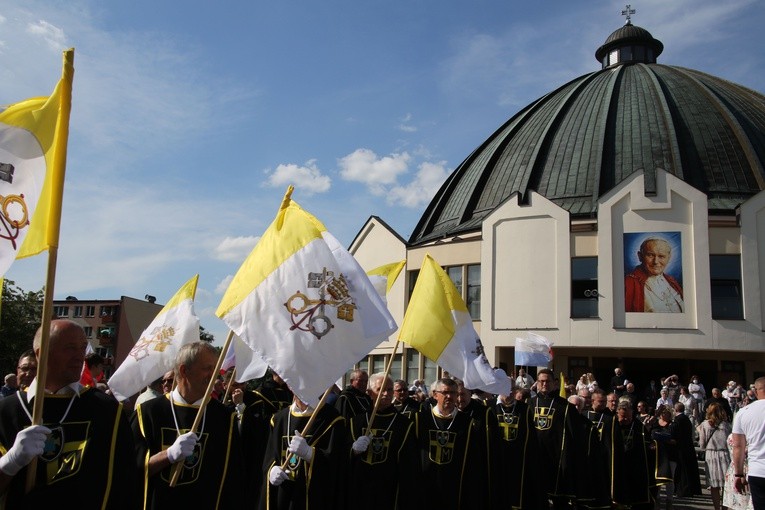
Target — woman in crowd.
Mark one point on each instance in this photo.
(713, 434)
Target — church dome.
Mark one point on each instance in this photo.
(580, 141)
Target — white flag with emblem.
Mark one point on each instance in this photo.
(154, 353)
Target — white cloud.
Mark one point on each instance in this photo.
(421, 190)
(235, 249)
(309, 177)
(223, 284)
(405, 124)
(363, 165)
(52, 35)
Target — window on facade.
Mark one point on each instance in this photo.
(107, 310)
(61, 311)
(395, 367)
(413, 280)
(377, 364)
(412, 365)
(430, 371)
(473, 294)
(455, 274)
(88, 331)
(576, 367)
(727, 299)
(584, 287)
(77, 312)
(90, 311)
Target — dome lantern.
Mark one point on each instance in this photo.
(629, 44)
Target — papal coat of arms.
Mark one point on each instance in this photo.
(310, 314)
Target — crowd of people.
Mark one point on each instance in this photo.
(379, 442)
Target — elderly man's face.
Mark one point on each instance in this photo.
(360, 382)
(386, 398)
(655, 256)
(446, 396)
(611, 402)
(598, 402)
(26, 371)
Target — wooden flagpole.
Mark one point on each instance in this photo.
(311, 419)
(52, 236)
(228, 386)
(379, 393)
(200, 413)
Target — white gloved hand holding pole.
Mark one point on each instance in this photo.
(182, 447)
(277, 475)
(300, 447)
(29, 443)
(361, 444)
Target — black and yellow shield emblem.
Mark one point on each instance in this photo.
(441, 446)
(543, 417)
(509, 426)
(192, 465)
(64, 450)
(377, 453)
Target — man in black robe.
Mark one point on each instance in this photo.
(84, 446)
(353, 399)
(403, 401)
(383, 456)
(210, 459)
(517, 454)
(633, 475)
(604, 451)
(687, 480)
(449, 457)
(561, 441)
(314, 461)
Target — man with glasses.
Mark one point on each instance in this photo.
(26, 370)
(449, 457)
(749, 439)
(167, 382)
(404, 403)
(560, 437)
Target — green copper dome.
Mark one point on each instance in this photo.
(579, 141)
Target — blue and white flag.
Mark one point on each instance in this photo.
(533, 351)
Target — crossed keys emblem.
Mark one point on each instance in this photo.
(333, 291)
(158, 340)
(14, 214)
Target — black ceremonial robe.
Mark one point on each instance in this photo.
(88, 456)
(315, 484)
(211, 476)
(633, 475)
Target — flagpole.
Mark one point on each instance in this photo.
(228, 386)
(179, 465)
(56, 196)
(382, 385)
(310, 420)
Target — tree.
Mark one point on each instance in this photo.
(19, 320)
(205, 335)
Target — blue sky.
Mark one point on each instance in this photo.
(190, 119)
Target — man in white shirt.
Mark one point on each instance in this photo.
(749, 437)
(524, 380)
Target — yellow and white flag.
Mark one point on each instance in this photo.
(33, 141)
(437, 324)
(385, 276)
(154, 353)
(304, 304)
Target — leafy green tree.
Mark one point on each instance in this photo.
(205, 335)
(19, 319)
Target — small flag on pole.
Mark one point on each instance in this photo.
(437, 324)
(385, 276)
(533, 351)
(154, 353)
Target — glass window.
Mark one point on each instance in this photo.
(412, 365)
(61, 311)
(473, 298)
(90, 311)
(413, 280)
(613, 57)
(430, 372)
(727, 299)
(395, 367)
(88, 331)
(584, 287)
(455, 274)
(77, 312)
(378, 364)
(106, 310)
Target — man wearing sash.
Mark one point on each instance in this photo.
(84, 446)
(353, 399)
(383, 456)
(449, 455)
(561, 440)
(604, 451)
(404, 402)
(315, 461)
(210, 459)
(632, 476)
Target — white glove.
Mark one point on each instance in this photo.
(182, 447)
(361, 444)
(29, 443)
(277, 475)
(299, 446)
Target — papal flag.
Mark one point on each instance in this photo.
(154, 353)
(384, 277)
(33, 141)
(304, 304)
(437, 324)
(533, 351)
